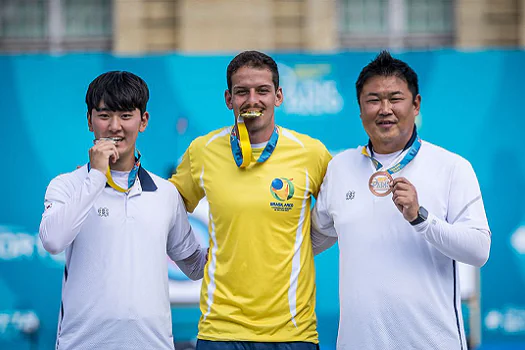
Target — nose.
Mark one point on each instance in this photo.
(386, 107)
(253, 97)
(114, 124)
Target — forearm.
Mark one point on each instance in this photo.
(63, 219)
(193, 266)
(465, 244)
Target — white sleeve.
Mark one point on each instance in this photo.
(193, 266)
(465, 235)
(322, 221)
(182, 242)
(67, 206)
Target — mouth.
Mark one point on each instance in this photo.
(111, 139)
(386, 123)
(251, 114)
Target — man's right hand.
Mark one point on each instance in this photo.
(101, 153)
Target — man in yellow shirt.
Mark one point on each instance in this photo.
(258, 290)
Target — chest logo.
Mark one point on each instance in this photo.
(282, 189)
(350, 195)
(103, 212)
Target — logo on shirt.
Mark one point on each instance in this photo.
(350, 195)
(282, 189)
(103, 212)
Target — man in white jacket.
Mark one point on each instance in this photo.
(116, 222)
(405, 212)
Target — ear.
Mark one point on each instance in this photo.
(228, 99)
(90, 125)
(144, 121)
(279, 97)
(417, 105)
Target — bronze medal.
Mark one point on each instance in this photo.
(379, 183)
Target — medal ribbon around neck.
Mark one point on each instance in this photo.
(242, 149)
(409, 156)
(131, 178)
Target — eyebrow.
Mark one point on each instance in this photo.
(103, 109)
(257, 87)
(389, 94)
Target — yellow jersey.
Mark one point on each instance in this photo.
(259, 282)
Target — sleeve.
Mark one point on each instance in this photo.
(322, 220)
(185, 182)
(323, 159)
(465, 235)
(181, 242)
(193, 266)
(67, 206)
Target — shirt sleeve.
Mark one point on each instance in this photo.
(465, 235)
(193, 266)
(181, 241)
(324, 158)
(67, 205)
(185, 182)
(322, 220)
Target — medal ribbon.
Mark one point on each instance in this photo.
(131, 177)
(414, 148)
(242, 149)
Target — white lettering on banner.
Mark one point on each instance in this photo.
(23, 321)
(307, 92)
(22, 245)
(16, 245)
(510, 320)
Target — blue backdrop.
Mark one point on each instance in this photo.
(471, 105)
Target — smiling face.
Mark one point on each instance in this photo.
(388, 112)
(253, 90)
(124, 125)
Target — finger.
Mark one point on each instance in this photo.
(401, 180)
(401, 186)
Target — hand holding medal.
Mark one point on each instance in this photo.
(102, 152)
(404, 196)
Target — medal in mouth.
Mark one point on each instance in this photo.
(250, 114)
(111, 139)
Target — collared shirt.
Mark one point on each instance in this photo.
(399, 284)
(115, 286)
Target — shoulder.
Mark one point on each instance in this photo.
(303, 140)
(349, 155)
(210, 138)
(73, 177)
(442, 156)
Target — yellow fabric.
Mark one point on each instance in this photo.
(246, 148)
(113, 184)
(249, 291)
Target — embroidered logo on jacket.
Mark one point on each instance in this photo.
(103, 212)
(350, 195)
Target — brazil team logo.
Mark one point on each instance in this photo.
(282, 188)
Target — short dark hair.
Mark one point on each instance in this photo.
(253, 59)
(386, 65)
(120, 91)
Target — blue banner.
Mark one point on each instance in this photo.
(470, 105)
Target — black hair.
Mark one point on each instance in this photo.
(119, 90)
(386, 65)
(253, 59)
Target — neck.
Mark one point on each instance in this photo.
(387, 148)
(123, 164)
(260, 136)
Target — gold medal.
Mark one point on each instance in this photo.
(251, 114)
(379, 183)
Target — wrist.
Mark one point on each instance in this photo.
(422, 215)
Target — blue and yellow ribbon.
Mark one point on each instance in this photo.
(242, 149)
